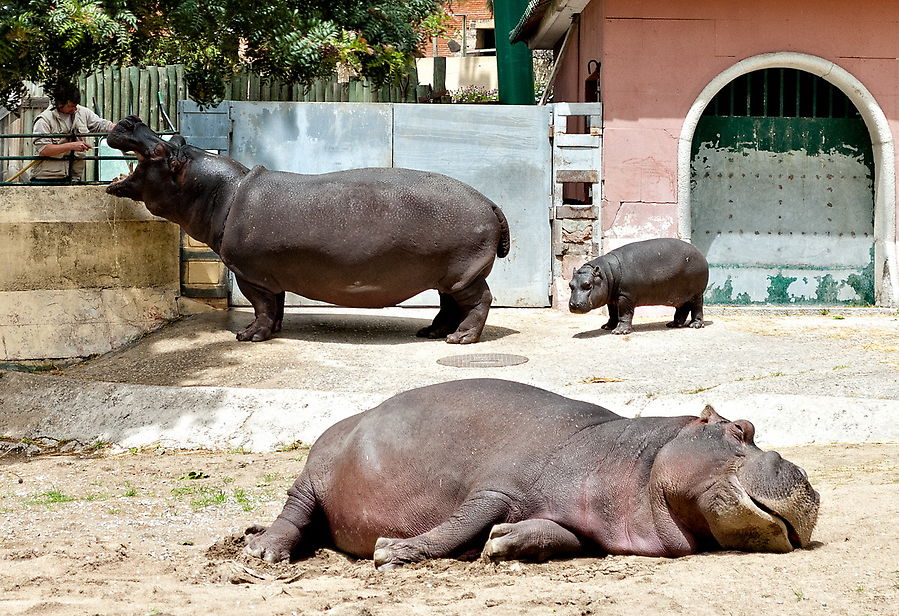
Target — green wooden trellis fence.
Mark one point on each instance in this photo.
(115, 92)
(153, 92)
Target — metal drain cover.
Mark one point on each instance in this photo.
(482, 360)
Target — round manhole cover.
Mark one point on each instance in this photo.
(482, 360)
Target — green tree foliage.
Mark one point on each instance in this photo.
(47, 41)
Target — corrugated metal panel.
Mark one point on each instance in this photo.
(504, 152)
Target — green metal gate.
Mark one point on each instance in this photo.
(782, 193)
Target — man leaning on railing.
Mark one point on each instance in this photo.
(65, 116)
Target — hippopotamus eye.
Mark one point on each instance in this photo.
(585, 285)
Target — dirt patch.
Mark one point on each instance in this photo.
(161, 532)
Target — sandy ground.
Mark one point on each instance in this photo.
(159, 532)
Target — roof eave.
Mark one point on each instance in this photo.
(544, 23)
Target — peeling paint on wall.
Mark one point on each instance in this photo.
(783, 209)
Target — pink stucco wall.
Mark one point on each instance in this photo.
(658, 55)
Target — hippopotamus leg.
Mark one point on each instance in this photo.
(613, 317)
(474, 516)
(278, 541)
(621, 316)
(696, 309)
(474, 304)
(680, 315)
(693, 306)
(536, 539)
(279, 314)
(447, 320)
(269, 310)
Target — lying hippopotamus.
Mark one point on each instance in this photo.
(518, 472)
(658, 272)
(364, 238)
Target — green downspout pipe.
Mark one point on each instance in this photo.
(514, 65)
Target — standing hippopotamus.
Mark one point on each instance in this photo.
(364, 238)
(519, 472)
(659, 272)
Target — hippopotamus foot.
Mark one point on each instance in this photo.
(447, 320)
(393, 553)
(260, 329)
(273, 544)
(536, 540)
(618, 327)
(475, 515)
(469, 337)
(474, 304)
(696, 323)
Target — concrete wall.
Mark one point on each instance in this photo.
(83, 272)
(658, 57)
(460, 72)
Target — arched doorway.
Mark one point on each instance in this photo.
(782, 182)
(885, 269)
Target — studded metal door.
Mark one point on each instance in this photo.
(782, 193)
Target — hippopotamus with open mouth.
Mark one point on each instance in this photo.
(363, 238)
(517, 472)
(657, 272)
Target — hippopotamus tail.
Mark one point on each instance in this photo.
(502, 248)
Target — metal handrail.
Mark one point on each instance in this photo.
(35, 158)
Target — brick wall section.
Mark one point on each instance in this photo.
(476, 15)
(203, 275)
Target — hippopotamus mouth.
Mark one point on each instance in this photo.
(132, 135)
(791, 534)
(763, 513)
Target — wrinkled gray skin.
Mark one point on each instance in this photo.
(364, 238)
(512, 471)
(658, 272)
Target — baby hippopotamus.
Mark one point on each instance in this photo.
(657, 272)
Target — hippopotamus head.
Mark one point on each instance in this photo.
(158, 161)
(173, 179)
(726, 491)
(590, 288)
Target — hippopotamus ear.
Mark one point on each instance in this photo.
(709, 415)
(177, 140)
(597, 273)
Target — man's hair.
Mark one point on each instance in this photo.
(63, 93)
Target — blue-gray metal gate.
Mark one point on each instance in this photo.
(502, 151)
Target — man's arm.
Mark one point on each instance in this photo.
(55, 149)
(96, 124)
